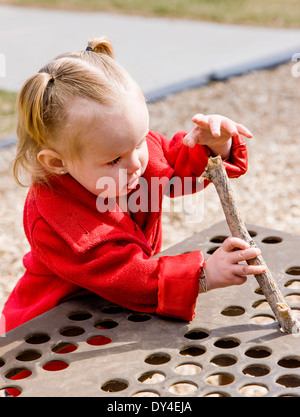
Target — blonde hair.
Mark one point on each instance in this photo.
(43, 101)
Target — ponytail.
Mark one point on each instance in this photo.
(30, 105)
(101, 45)
(31, 128)
(45, 100)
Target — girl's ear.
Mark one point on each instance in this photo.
(52, 161)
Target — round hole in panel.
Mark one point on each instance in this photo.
(296, 312)
(72, 331)
(224, 360)
(10, 391)
(80, 316)
(293, 270)
(112, 309)
(220, 379)
(64, 347)
(188, 368)
(54, 366)
(98, 340)
(258, 352)
(293, 298)
(253, 390)
(196, 334)
(233, 311)
(210, 251)
(105, 324)
(218, 239)
(256, 370)
(18, 373)
(289, 381)
(152, 377)
(115, 385)
(146, 394)
(293, 284)
(28, 355)
(183, 388)
(139, 317)
(37, 338)
(258, 291)
(227, 343)
(289, 362)
(261, 304)
(271, 240)
(262, 319)
(252, 233)
(158, 358)
(217, 394)
(192, 351)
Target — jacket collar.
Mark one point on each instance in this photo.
(71, 211)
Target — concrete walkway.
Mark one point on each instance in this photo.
(163, 55)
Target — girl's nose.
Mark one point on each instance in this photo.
(134, 163)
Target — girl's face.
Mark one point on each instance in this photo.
(112, 143)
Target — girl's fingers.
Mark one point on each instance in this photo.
(238, 280)
(245, 255)
(190, 138)
(244, 131)
(213, 123)
(230, 127)
(215, 126)
(234, 242)
(218, 123)
(244, 269)
(199, 118)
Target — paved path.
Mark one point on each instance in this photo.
(163, 55)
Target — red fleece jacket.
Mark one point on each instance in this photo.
(74, 247)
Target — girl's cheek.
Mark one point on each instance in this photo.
(146, 158)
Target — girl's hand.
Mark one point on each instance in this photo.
(215, 131)
(223, 269)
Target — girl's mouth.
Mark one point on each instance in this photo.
(133, 183)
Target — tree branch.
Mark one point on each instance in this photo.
(216, 173)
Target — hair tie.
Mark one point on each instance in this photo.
(89, 48)
(52, 79)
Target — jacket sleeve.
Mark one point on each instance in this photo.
(122, 273)
(191, 162)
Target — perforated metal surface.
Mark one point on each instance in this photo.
(233, 347)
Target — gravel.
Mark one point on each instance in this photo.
(267, 102)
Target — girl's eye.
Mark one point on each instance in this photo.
(115, 161)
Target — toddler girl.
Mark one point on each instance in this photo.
(82, 122)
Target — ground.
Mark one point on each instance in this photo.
(267, 102)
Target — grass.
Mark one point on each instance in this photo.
(8, 118)
(277, 13)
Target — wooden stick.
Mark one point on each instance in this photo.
(216, 173)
